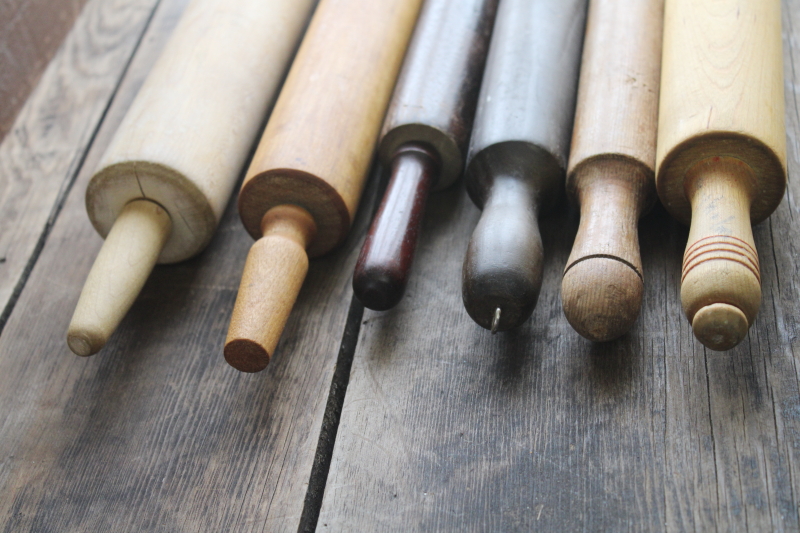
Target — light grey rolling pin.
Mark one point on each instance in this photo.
(167, 175)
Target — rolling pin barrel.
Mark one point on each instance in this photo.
(611, 167)
(518, 154)
(721, 152)
(175, 149)
(424, 138)
(314, 155)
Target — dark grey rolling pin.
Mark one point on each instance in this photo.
(424, 138)
(518, 153)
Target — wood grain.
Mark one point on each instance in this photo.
(316, 149)
(611, 165)
(722, 148)
(40, 158)
(447, 428)
(30, 33)
(159, 434)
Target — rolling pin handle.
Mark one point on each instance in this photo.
(126, 259)
(273, 275)
(721, 280)
(381, 273)
(603, 284)
(503, 265)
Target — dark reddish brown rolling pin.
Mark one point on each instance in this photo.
(424, 138)
(518, 153)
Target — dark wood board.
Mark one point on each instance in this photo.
(446, 428)
(157, 432)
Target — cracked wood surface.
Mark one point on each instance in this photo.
(157, 432)
(445, 427)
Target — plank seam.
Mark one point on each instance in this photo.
(330, 421)
(69, 182)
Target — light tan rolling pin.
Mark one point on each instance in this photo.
(721, 152)
(171, 167)
(611, 171)
(303, 186)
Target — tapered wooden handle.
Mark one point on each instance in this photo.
(721, 281)
(603, 283)
(384, 263)
(273, 275)
(120, 271)
(503, 266)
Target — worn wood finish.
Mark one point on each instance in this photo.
(447, 428)
(30, 33)
(433, 105)
(612, 165)
(316, 151)
(721, 119)
(184, 142)
(160, 435)
(518, 154)
(40, 158)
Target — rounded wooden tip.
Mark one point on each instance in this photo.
(246, 355)
(273, 275)
(378, 288)
(601, 297)
(720, 326)
(118, 274)
(85, 343)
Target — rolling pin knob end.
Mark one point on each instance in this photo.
(378, 289)
(273, 275)
(601, 297)
(504, 263)
(84, 343)
(720, 326)
(246, 355)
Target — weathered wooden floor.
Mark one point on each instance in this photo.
(437, 426)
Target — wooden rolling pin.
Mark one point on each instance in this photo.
(304, 183)
(611, 165)
(424, 138)
(518, 153)
(721, 152)
(171, 167)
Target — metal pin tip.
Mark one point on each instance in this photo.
(495, 320)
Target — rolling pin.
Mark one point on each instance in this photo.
(518, 153)
(303, 186)
(611, 172)
(164, 180)
(721, 158)
(424, 138)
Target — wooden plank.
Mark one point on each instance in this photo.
(157, 432)
(30, 33)
(41, 156)
(445, 427)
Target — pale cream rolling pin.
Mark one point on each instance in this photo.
(721, 157)
(167, 175)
